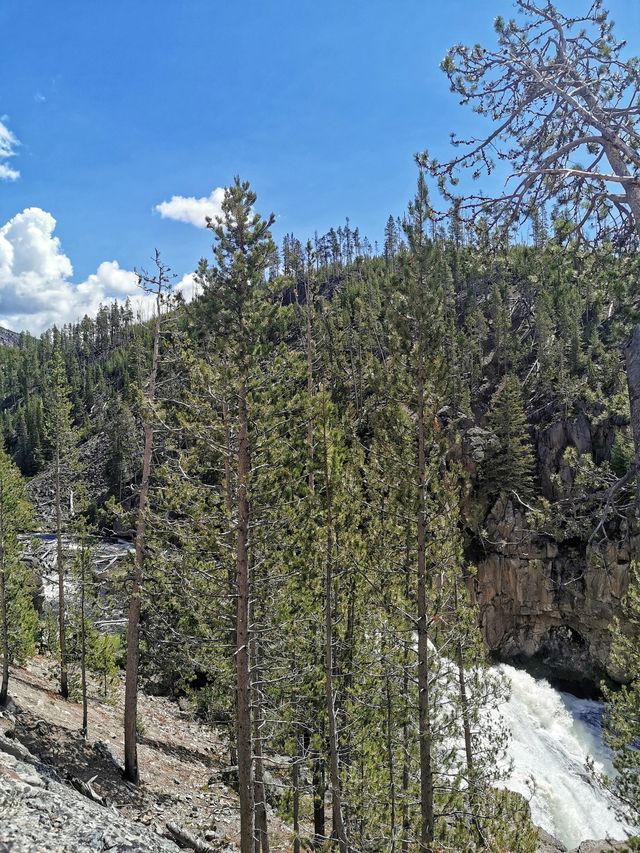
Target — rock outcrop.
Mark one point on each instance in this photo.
(38, 812)
(542, 597)
(547, 600)
(8, 338)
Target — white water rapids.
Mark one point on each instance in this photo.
(553, 733)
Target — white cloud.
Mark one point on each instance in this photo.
(112, 279)
(192, 210)
(36, 287)
(188, 287)
(8, 145)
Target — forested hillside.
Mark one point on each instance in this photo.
(345, 479)
(443, 362)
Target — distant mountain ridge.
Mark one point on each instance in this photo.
(8, 338)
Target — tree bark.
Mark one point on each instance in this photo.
(390, 762)
(319, 817)
(64, 682)
(424, 711)
(4, 689)
(334, 765)
(243, 716)
(228, 503)
(632, 358)
(83, 647)
(131, 770)
(262, 830)
(295, 784)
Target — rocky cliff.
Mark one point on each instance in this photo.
(548, 600)
(8, 338)
(551, 598)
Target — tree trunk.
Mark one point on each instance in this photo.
(262, 830)
(424, 711)
(319, 817)
(4, 689)
(334, 765)
(228, 504)
(406, 656)
(632, 358)
(295, 785)
(131, 771)
(390, 763)
(83, 647)
(64, 682)
(243, 686)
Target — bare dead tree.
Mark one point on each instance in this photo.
(157, 285)
(565, 107)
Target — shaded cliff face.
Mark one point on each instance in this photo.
(546, 599)
(549, 601)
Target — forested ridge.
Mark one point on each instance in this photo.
(311, 459)
(500, 341)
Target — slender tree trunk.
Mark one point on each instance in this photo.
(319, 785)
(319, 817)
(4, 689)
(424, 711)
(406, 655)
(295, 785)
(131, 770)
(310, 380)
(64, 682)
(334, 765)
(243, 716)
(260, 797)
(83, 647)
(390, 762)
(632, 358)
(406, 824)
(231, 580)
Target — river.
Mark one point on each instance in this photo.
(553, 734)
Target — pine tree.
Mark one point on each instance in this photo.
(159, 286)
(121, 455)
(59, 429)
(622, 709)
(17, 612)
(509, 462)
(235, 292)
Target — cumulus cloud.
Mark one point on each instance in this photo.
(8, 145)
(192, 210)
(36, 287)
(188, 287)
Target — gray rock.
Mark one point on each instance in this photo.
(39, 813)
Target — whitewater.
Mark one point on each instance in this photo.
(553, 735)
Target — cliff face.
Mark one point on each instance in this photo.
(546, 600)
(8, 338)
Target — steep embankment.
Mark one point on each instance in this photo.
(39, 812)
(183, 765)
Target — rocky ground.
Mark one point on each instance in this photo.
(42, 756)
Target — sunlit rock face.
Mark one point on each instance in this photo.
(546, 600)
(8, 338)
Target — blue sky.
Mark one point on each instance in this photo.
(119, 106)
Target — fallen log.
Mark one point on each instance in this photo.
(188, 839)
(87, 790)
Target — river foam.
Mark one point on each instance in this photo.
(553, 734)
